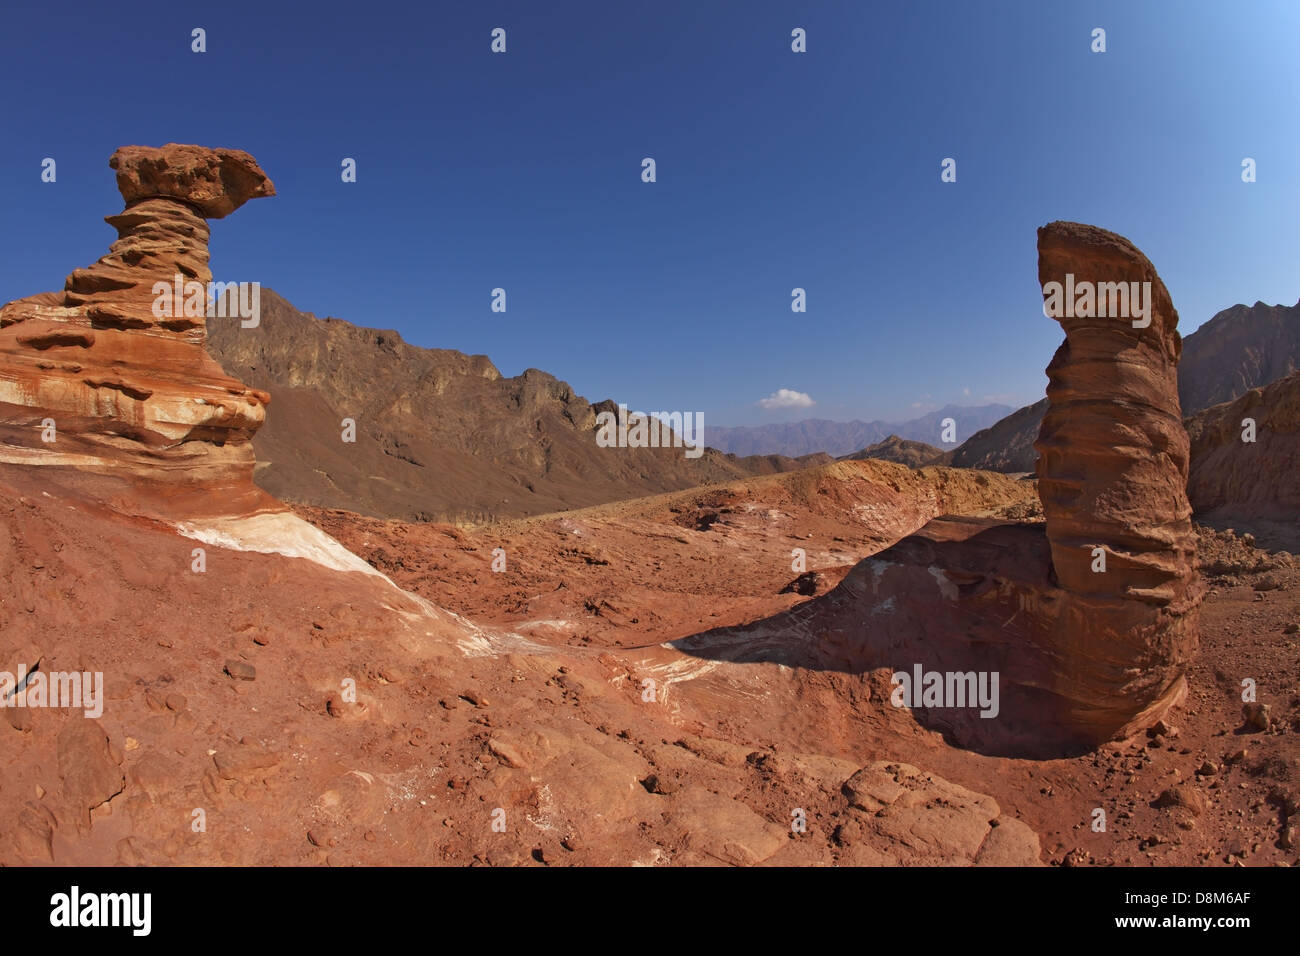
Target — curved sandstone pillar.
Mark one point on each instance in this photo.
(1072, 657)
(1113, 476)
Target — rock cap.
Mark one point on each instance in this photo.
(215, 182)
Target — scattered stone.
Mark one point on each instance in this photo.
(807, 584)
(507, 753)
(240, 671)
(89, 775)
(245, 762)
(1183, 796)
(335, 706)
(1256, 715)
(654, 783)
(393, 673)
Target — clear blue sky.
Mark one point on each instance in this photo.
(775, 170)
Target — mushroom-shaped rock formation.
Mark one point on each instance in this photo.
(215, 182)
(1030, 639)
(111, 392)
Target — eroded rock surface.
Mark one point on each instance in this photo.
(1113, 476)
(215, 182)
(94, 383)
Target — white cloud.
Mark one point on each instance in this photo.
(786, 398)
(966, 392)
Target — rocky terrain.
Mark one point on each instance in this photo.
(1206, 787)
(914, 454)
(228, 691)
(538, 709)
(700, 676)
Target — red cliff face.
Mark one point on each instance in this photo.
(98, 386)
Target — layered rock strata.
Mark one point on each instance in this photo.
(1113, 471)
(97, 385)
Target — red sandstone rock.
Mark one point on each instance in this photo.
(1114, 453)
(1113, 475)
(216, 182)
(134, 396)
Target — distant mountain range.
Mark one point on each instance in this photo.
(813, 435)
